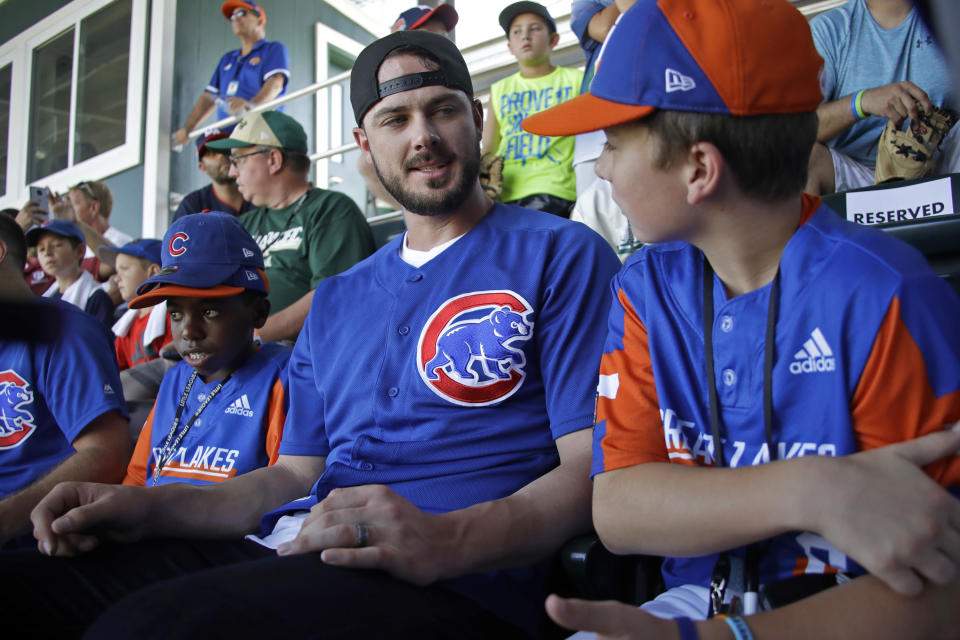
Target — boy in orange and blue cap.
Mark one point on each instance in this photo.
(761, 320)
(215, 290)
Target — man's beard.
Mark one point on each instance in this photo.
(440, 204)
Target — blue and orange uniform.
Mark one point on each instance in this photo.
(243, 76)
(866, 354)
(238, 431)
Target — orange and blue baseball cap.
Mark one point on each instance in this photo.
(208, 256)
(146, 248)
(737, 57)
(230, 6)
(417, 16)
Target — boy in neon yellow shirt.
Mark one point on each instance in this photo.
(537, 170)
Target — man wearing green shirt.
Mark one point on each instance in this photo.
(306, 234)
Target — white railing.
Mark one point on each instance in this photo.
(272, 104)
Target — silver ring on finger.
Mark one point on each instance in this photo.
(363, 534)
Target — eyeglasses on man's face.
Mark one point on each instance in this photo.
(235, 159)
(239, 13)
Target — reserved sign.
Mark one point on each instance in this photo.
(900, 204)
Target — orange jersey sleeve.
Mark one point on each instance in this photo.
(894, 400)
(629, 428)
(137, 468)
(276, 417)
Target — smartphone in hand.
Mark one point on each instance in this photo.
(41, 195)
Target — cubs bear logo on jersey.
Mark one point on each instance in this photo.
(16, 421)
(469, 350)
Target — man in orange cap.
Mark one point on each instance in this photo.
(255, 73)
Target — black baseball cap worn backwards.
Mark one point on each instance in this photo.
(366, 91)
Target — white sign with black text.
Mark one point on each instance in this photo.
(901, 204)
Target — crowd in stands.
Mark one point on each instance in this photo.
(263, 424)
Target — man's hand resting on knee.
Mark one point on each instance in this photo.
(76, 516)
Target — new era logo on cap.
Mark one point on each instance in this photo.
(247, 253)
(676, 81)
(739, 57)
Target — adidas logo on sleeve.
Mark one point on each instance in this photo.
(240, 407)
(816, 356)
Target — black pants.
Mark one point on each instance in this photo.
(174, 589)
(546, 202)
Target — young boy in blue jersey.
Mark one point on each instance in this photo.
(762, 321)
(220, 411)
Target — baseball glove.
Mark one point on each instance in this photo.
(491, 175)
(906, 155)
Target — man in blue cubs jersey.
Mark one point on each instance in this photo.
(212, 281)
(762, 333)
(441, 394)
(255, 73)
(62, 415)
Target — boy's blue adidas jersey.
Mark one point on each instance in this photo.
(867, 353)
(239, 430)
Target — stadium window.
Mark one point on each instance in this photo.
(78, 92)
(74, 99)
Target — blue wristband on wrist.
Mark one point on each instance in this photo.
(739, 627)
(688, 631)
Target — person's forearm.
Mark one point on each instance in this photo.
(834, 118)
(601, 22)
(230, 508)
(862, 608)
(201, 111)
(270, 89)
(95, 240)
(530, 524)
(286, 323)
(95, 464)
(676, 510)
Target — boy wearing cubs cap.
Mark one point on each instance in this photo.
(213, 284)
(141, 333)
(60, 248)
(763, 321)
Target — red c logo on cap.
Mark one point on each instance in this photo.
(177, 248)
